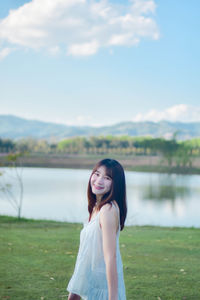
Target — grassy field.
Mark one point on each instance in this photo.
(37, 260)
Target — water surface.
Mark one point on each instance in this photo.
(153, 199)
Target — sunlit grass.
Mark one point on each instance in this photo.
(37, 260)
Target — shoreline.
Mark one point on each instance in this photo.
(153, 164)
(8, 219)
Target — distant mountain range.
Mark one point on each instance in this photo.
(17, 128)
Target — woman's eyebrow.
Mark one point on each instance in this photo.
(108, 176)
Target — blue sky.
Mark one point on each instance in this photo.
(83, 62)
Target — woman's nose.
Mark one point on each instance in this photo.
(100, 179)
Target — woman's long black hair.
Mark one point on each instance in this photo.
(118, 189)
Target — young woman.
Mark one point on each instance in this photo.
(98, 273)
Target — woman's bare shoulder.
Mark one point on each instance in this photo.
(108, 207)
(108, 211)
(109, 217)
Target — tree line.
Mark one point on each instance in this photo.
(101, 145)
(171, 150)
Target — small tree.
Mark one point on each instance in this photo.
(15, 200)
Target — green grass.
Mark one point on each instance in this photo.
(38, 257)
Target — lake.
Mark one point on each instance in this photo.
(153, 199)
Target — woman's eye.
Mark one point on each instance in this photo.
(108, 178)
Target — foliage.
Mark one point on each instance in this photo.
(32, 145)
(6, 145)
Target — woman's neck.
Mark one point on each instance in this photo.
(98, 200)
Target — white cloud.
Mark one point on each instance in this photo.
(82, 27)
(5, 52)
(83, 120)
(54, 50)
(83, 49)
(142, 6)
(79, 120)
(181, 113)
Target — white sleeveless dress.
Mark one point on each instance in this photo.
(89, 277)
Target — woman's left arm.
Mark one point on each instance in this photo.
(108, 222)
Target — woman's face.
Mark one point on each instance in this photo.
(100, 182)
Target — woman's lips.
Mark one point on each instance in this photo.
(98, 187)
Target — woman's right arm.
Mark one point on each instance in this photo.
(108, 221)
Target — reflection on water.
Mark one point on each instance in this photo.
(161, 199)
(165, 188)
(163, 192)
(153, 199)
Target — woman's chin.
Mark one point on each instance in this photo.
(97, 192)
